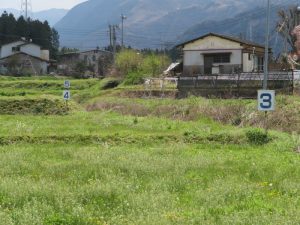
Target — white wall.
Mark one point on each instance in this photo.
(45, 54)
(247, 63)
(32, 49)
(193, 52)
(192, 58)
(6, 50)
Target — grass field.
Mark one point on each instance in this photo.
(141, 161)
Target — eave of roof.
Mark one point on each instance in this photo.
(234, 39)
(23, 53)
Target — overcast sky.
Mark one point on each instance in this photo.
(38, 5)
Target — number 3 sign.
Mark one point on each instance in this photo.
(266, 100)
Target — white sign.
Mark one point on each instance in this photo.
(67, 95)
(266, 100)
(67, 84)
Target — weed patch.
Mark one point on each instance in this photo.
(37, 106)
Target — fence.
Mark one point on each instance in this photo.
(244, 85)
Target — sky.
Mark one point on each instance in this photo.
(38, 5)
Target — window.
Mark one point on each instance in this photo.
(221, 58)
(261, 62)
(16, 49)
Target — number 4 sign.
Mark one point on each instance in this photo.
(266, 100)
(67, 95)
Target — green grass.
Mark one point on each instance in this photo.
(112, 166)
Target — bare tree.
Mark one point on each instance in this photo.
(289, 20)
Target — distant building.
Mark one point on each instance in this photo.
(95, 62)
(23, 57)
(221, 54)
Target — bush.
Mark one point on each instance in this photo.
(129, 61)
(134, 78)
(257, 137)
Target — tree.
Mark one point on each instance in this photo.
(289, 19)
(54, 44)
(65, 50)
(129, 61)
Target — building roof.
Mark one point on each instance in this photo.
(19, 45)
(23, 53)
(230, 38)
(80, 52)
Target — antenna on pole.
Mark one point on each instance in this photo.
(26, 8)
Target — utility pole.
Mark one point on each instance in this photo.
(266, 63)
(110, 36)
(123, 18)
(25, 8)
(114, 38)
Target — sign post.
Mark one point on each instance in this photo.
(266, 98)
(266, 103)
(67, 93)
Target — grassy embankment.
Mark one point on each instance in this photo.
(141, 161)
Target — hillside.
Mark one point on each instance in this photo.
(149, 23)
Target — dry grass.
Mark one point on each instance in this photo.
(286, 117)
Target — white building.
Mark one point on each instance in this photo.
(220, 54)
(24, 56)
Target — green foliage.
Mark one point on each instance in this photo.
(257, 137)
(133, 78)
(46, 106)
(80, 67)
(102, 167)
(136, 66)
(129, 61)
(155, 64)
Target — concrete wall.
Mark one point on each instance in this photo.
(193, 58)
(6, 50)
(32, 49)
(26, 64)
(247, 63)
(98, 60)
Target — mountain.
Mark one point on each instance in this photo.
(149, 23)
(51, 15)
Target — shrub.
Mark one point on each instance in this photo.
(257, 137)
(129, 61)
(134, 78)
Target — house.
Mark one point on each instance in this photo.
(221, 54)
(23, 57)
(93, 61)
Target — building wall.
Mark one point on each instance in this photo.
(30, 49)
(26, 64)
(193, 59)
(248, 64)
(6, 50)
(98, 60)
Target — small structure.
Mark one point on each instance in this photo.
(221, 54)
(95, 62)
(23, 57)
(173, 70)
